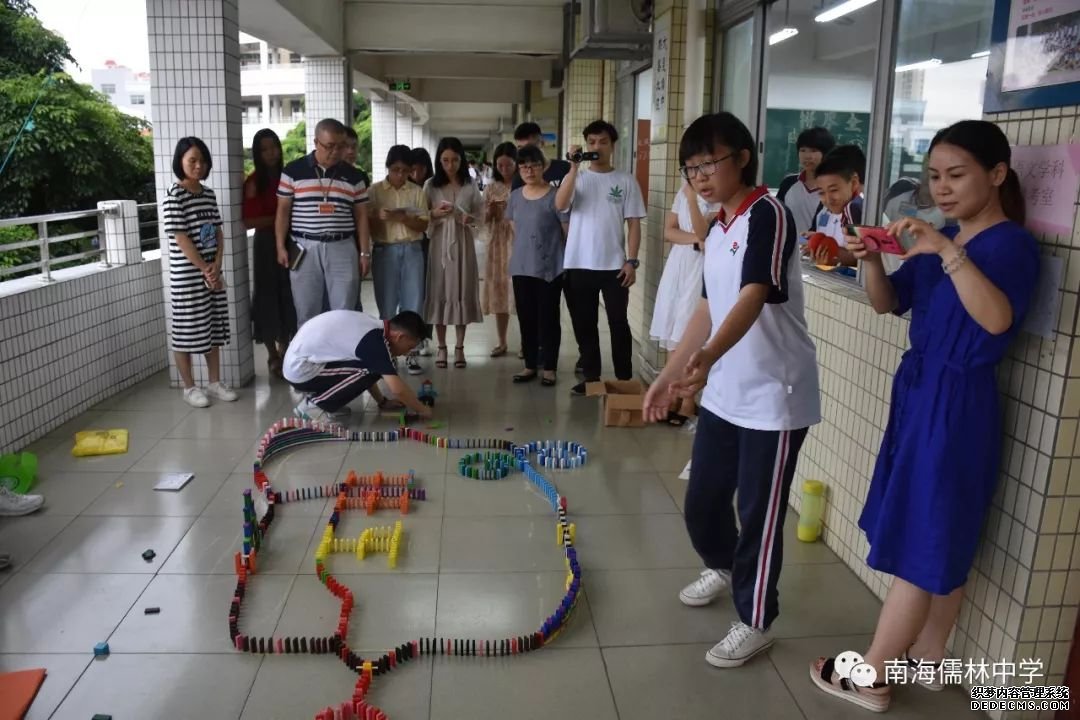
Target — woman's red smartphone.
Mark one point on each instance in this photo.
(877, 239)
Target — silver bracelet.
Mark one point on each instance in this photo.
(956, 263)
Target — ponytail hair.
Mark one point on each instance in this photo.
(1012, 199)
(985, 142)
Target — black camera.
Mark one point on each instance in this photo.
(579, 156)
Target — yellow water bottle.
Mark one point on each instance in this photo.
(813, 506)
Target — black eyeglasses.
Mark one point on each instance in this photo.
(705, 169)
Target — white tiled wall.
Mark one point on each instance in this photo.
(194, 58)
(327, 92)
(384, 133)
(71, 344)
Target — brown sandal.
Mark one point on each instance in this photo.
(440, 357)
(459, 362)
(498, 351)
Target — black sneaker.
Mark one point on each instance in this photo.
(577, 367)
(412, 362)
(578, 389)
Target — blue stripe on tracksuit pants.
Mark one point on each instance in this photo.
(760, 464)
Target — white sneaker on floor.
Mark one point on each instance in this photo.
(711, 585)
(425, 348)
(412, 362)
(12, 504)
(195, 397)
(221, 391)
(307, 410)
(741, 643)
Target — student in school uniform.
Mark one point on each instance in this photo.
(840, 177)
(800, 191)
(968, 288)
(340, 354)
(200, 309)
(748, 345)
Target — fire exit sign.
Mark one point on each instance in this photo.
(402, 86)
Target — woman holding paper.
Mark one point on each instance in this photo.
(453, 284)
(968, 289)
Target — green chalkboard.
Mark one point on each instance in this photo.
(782, 128)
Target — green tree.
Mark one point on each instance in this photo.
(74, 150)
(294, 144)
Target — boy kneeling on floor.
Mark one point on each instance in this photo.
(747, 343)
(339, 354)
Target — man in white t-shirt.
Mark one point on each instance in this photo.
(600, 259)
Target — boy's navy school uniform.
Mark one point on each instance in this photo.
(760, 399)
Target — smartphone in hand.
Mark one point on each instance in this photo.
(877, 239)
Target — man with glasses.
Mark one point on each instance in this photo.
(322, 209)
(599, 260)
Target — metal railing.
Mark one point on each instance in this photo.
(44, 241)
(81, 231)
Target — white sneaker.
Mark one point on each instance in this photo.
(711, 585)
(425, 348)
(195, 397)
(412, 362)
(221, 391)
(307, 410)
(14, 504)
(741, 643)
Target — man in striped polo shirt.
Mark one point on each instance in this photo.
(322, 208)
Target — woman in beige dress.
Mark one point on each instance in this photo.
(453, 285)
(497, 298)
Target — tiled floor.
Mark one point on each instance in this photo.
(480, 561)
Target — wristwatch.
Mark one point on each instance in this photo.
(365, 254)
(633, 262)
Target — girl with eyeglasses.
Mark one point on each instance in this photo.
(748, 346)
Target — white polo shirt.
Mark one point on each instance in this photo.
(769, 379)
(802, 200)
(602, 203)
(338, 336)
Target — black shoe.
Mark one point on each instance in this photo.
(527, 376)
(578, 389)
(577, 367)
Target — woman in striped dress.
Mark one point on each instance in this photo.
(200, 311)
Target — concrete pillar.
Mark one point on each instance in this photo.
(404, 133)
(383, 130)
(266, 108)
(205, 104)
(327, 92)
(417, 136)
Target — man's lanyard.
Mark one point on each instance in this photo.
(321, 174)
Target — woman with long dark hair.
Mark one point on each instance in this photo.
(968, 288)
(421, 166)
(453, 284)
(497, 298)
(272, 309)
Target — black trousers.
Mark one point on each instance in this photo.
(760, 464)
(584, 290)
(338, 384)
(538, 309)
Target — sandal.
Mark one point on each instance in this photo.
(498, 351)
(459, 356)
(847, 690)
(548, 381)
(924, 673)
(440, 357)
(524, 377)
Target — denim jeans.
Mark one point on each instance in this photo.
(397, 270)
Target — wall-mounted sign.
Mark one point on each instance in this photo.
(661, 59)
(1035, 55)
(1049, 179)
(401, 86)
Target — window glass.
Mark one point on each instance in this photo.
(738, 44)
(138, 99)
(108, 88)
(940, 78)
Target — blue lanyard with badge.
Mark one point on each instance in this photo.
(208, 236)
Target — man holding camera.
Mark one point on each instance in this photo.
(598, 259)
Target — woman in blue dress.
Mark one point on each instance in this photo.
(968, 288)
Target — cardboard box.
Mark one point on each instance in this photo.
(622, 401)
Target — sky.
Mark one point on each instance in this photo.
(99, 30)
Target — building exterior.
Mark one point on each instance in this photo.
(127, 89)
(271, 86)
